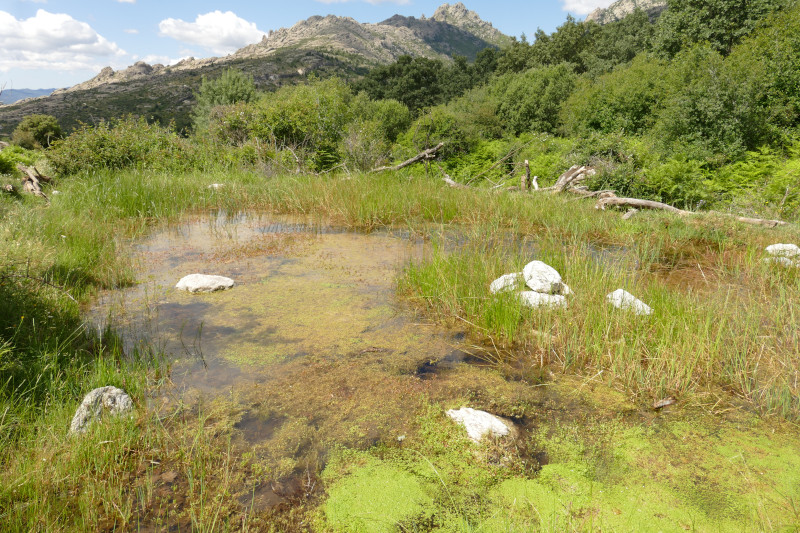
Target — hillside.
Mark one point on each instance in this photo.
(10, 96)
(622, 8)
(320, 45)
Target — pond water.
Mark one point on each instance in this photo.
(303, 292)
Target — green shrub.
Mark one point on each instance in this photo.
(439, 124)
(232, 124)
(11, 156)
(125, 143)
(231, 87)
(681, 182)
(711, 110)
(311, 118)
(624, 100)
(530, 101)
(36, 131)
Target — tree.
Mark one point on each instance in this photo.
(36, 131)
(231, 87)
(531, 100)
(413, 81)
(721, 23)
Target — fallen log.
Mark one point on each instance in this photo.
(31, 182)
(450, 181)
(425, 155)
(602, 203)
(572, 177)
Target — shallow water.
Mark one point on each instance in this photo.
(303, 291)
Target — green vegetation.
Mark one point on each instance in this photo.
(230, 88)
(703, 121)
(36, 131)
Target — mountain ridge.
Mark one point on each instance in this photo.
(622, 8)
(326, 45)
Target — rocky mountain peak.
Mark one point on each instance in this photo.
(622, 8)
(459, 16)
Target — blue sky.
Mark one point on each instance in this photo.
(58, 43)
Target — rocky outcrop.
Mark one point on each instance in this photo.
(787, 255)
(783, 250)
(537, 299)
(506, 282)
(622, 299)
(622, 8)
(98, 403)
(479, 424)
(547, 287)
(543, 278)
(204, 283)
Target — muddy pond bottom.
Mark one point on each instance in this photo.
(304, 293)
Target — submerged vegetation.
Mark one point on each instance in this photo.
(666, 111)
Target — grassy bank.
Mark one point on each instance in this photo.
(724, 331)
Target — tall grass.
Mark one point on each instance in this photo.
(737, 333)
(730, 324)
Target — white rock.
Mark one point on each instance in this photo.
(565, 290)
(782, 260)
(216, 186)
(204, 283)
(504, 282)
(479, 423)
(622, 299)
(783, 250)
(111, 399)
(537, 299)
(541, 277)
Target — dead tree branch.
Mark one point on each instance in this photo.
(425, 155)
(613, 200)
(449, 181)
(31, 181)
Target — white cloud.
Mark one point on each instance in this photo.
(53, 41)
(584, 7)
(126, 1)
(221, 33)
(132, 31)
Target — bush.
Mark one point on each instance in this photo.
(711, 111)
(123, 143)
(11, 156)
(231, 87)
(36, 131)
(623, 101)
(307, 116)
(530, 101)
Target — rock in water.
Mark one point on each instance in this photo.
(543, 278)
(204, 283)
(504, 283)
(537, 299)
(111, 399)
(622, 299)
(479, 423)
(783, 250)
(781, 260)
